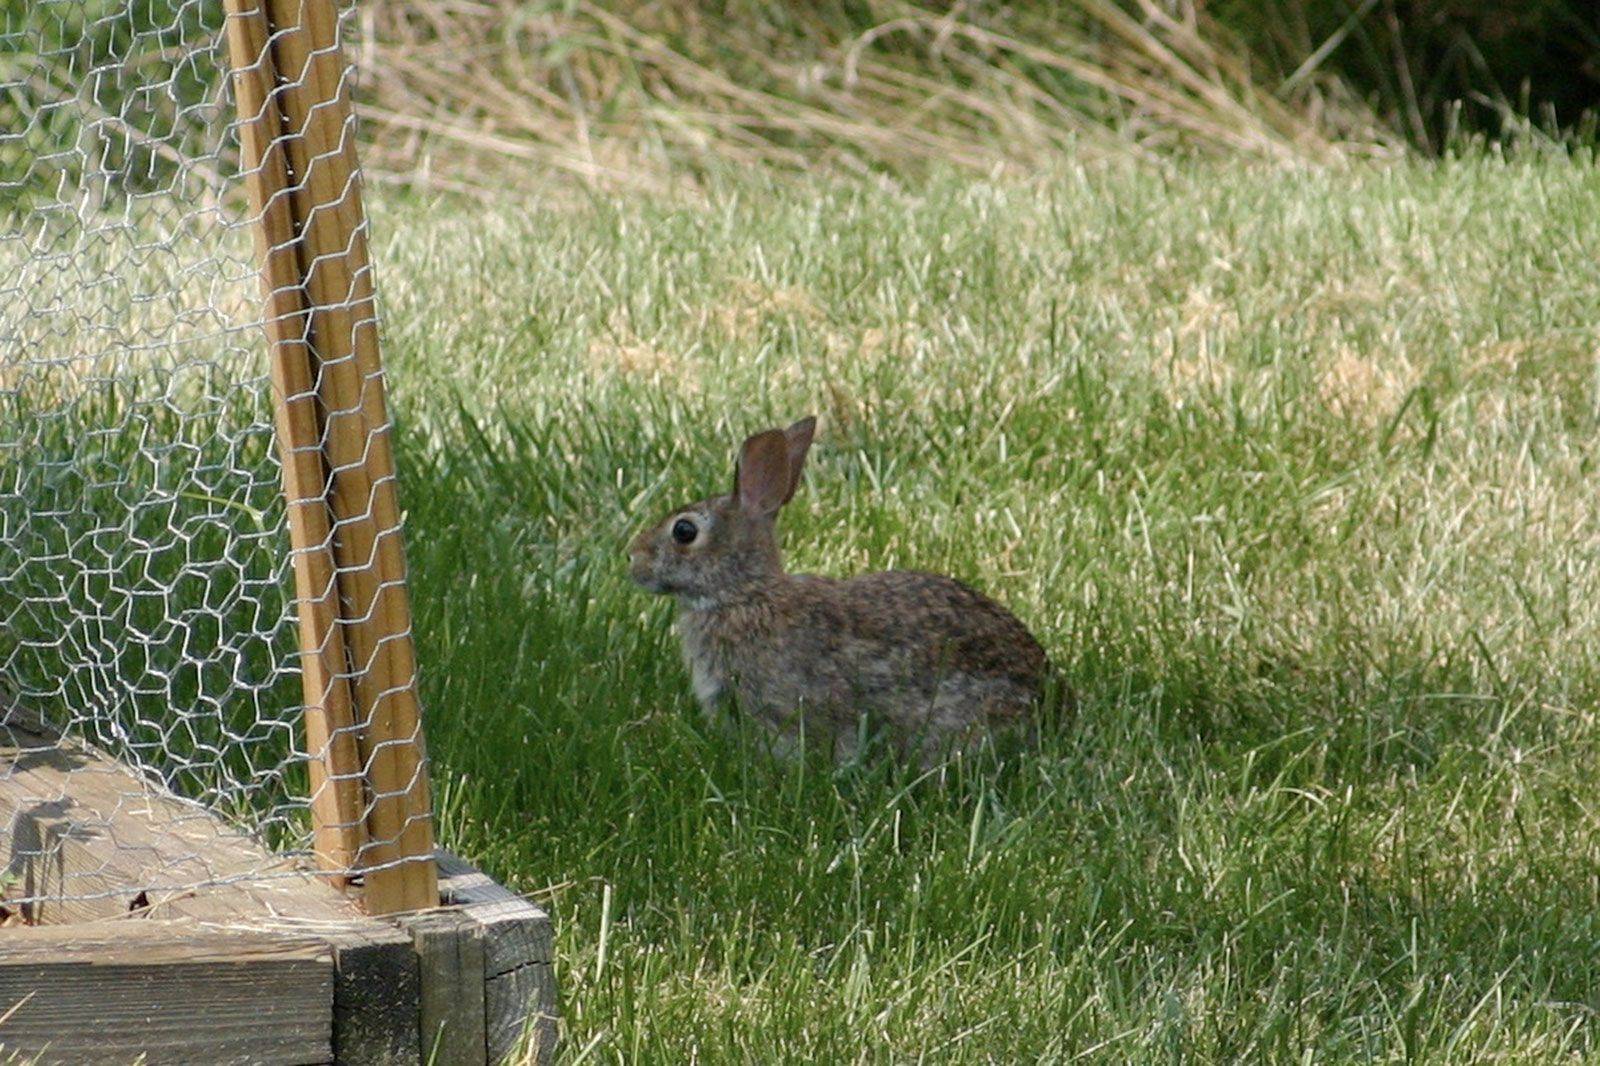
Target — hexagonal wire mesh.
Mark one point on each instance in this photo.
(147, 602)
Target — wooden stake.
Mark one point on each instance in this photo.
(334, 273)
(337, 803)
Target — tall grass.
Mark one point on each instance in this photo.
(1436, 69)
(1291, 470)
(122, 98)
(620, 96)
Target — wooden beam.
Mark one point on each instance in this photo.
(164, 992)
(148, 885)
(521, 1012)
(87, 840)
(450, 1018)
(377, 996)
(337, 801)
(334, 262)
(294, 102)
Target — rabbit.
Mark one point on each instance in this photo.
(938, 666)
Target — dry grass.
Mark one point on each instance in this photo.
(1367, 390)
(627, 96)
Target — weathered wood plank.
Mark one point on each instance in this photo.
(376, 996)
(522, 1006)
(170, 992)
(87, 837)
(450, 959)
(521, 930)
(520, 1001)
(204, 974)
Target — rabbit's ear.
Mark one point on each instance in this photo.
(797, 439)
(761, 483)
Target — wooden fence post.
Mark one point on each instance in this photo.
(300, 156)
(337, 799)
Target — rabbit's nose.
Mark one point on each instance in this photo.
(641, 572)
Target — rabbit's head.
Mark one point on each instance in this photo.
(712, 550)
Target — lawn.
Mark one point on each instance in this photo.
(1293, 473)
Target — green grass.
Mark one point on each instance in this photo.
(1293, 472)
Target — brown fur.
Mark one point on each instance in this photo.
(932, 662)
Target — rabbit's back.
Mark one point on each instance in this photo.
(938, 625)
(925, 655)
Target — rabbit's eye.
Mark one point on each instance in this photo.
(684, 531)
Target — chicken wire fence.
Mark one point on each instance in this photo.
(159, 598)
